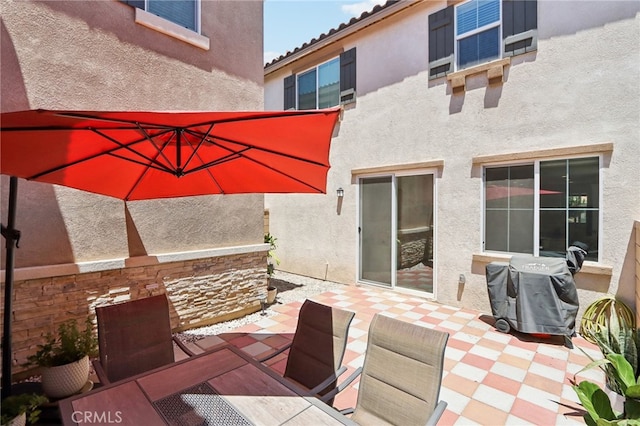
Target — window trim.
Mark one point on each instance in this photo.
(167, 27)
(456, 38)
(570, 151)
(514, 34)
(536, 219)
(316, 68)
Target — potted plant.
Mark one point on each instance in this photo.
(595, 400)
(17, 409)
(64, 359)
(272, 260)
(610, 324)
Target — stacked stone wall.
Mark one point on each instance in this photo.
(200, 292)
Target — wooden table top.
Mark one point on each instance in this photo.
(210, 386)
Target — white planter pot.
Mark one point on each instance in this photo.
(271, 295)
(65, 380)
(20, 420)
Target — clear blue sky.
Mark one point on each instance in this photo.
(291, 23)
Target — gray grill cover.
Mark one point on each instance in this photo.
(534, 294)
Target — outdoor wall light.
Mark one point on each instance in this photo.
(340, 192)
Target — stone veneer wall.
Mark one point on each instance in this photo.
(200, 292)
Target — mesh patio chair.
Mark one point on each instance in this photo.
(317, 349)
(134, 337)
(401, 376)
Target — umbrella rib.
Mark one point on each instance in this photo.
(159, 150)
(195, 153)
(159, 165)
(236, 154)
(202, 140)
(139, 154)
(270, 151)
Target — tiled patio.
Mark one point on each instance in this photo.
(490, 378)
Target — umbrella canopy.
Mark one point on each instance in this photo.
(150, 155)
(147, 155)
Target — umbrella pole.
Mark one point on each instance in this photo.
(12, 236)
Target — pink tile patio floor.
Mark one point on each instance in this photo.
(490, 378)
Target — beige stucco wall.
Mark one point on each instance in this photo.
(62, 55)
(80, 250)
(579, 88)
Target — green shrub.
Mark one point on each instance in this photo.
(70, 345)
(14, 405)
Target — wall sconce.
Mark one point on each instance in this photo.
(340, 192)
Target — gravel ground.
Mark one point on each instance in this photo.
(291, 288)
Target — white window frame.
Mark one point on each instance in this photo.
(536, 207)
(317, 69)
(197, 17)
(457, 38)
(170, 28)
(394, 172)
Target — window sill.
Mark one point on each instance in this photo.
(588, 267)
(171, 29)
(595, 149)
(494, 71)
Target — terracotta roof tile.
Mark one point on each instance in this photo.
(333, 31)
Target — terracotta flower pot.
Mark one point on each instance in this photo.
(65, 380)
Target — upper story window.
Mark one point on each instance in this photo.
(185, 13)
(478, 31)
(541, 208)
(328, 84)
(181, 12)
(320, 86)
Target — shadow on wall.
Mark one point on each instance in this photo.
(584, 15)
(219, 19)
(627, 282)
(44, 238)
(43, 228)
(13, 93)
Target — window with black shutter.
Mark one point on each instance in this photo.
(328, 84)
(467, 34)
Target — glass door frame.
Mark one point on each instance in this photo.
(394, 221)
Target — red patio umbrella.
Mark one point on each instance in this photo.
(149, 155)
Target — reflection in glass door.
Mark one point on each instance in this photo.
(396, 231)
(375, 230)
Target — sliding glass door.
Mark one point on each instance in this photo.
(375, 230)
(396, 231)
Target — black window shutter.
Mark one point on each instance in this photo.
(441, 42)
(290, 92)
(519, 26)
(348, 76)
(135, 3)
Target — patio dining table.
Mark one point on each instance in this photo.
(222, 386)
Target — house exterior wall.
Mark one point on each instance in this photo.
(94, 56)
(59, 55)
(578, 89)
